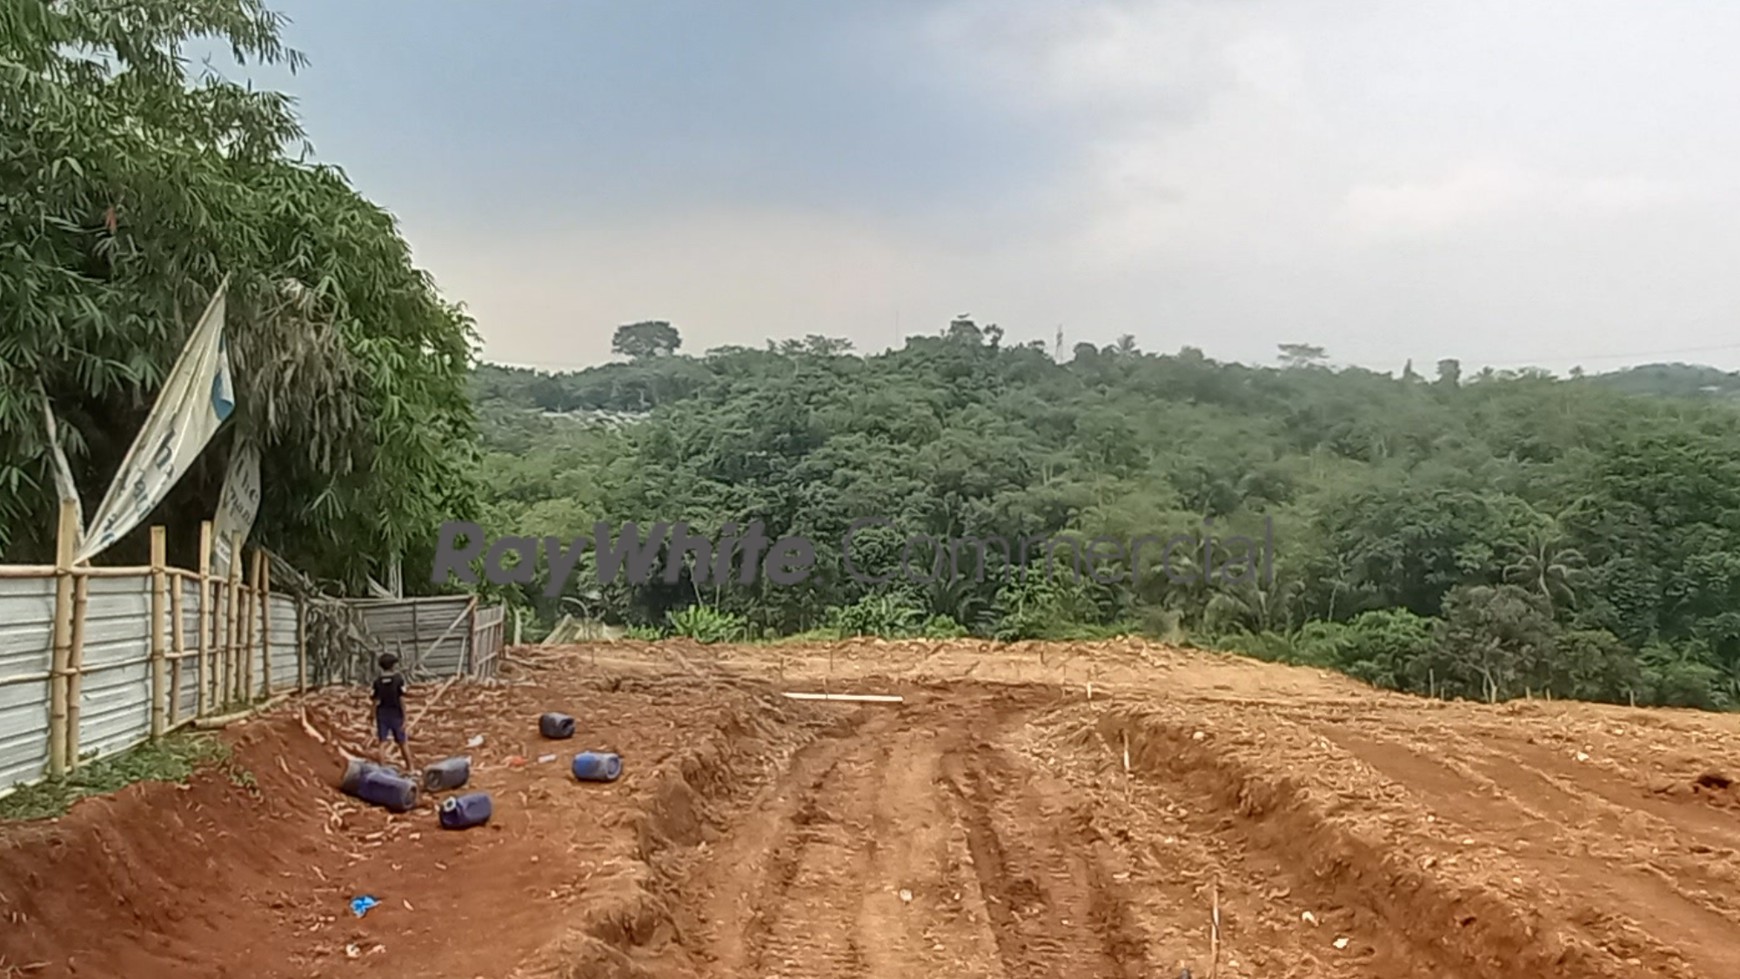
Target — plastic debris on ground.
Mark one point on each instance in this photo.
(360, 906)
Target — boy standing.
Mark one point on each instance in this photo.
(389, 698)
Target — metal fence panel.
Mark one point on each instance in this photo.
(115, 698)
(284, 667)
(26, 654)
(431, 635)
(188, 702)
(438, 637)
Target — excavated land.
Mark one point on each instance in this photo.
(1067, 810)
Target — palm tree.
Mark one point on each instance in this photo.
(1256, 606)
(1548, 565)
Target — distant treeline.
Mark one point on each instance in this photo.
(1489, 535)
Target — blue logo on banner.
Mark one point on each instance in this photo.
(223, 396)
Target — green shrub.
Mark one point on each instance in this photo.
(888, 616)
(706, 624)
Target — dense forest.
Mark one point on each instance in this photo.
(1489, 536)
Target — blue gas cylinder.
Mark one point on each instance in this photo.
(391, 792)
(466, 811)
(450, 773)
(353, 772)
(556, 726)
(597, 766)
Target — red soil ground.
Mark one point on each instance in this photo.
(999, 823)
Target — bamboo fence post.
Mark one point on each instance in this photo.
(232, 622)
(207, 612)
(250, 691)
(244, 637)
(416, 666)
(266, 621)
(158, 675)
(220, 643)
(75, 678)
(177, 645)
(65, 541)
(467, 653)
(301, 644)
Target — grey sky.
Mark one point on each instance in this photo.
(1505, 182)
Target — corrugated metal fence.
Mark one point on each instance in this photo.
(137, 654)
(435, 637)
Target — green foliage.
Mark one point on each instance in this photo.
(171, 759)
(1036, 607)
(706, 624)
(654, 338)
(890, 616)
(1483, 534)
(128, 191)
(942, 627)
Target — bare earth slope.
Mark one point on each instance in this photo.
(999, 823)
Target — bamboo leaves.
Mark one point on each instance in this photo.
(132, 188)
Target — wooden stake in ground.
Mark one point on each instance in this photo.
(1127, 788)
(1214, 932)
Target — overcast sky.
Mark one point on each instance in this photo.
(1508, 183)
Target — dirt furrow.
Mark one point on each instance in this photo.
(1655, 917)
(1053, 909)
(913, 921)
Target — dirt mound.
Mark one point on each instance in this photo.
(158, 859)
(250, 868)
(1407, 918)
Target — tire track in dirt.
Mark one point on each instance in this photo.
(777, 852)
(851, 867)
(909, 847)
(914, 919)
(1053, 909)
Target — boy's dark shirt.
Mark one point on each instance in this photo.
(389, 694)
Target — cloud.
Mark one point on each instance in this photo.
(1063, 53)
(1484, 193)
(1388, 181)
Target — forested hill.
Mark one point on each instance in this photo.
(1482, 535)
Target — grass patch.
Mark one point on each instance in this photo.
(171, 759)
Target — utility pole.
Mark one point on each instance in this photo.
(1057, 352)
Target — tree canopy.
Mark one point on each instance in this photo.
(128, 189)
(651, 338)
(1481, 537)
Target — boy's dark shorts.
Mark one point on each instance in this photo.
(389, 725)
